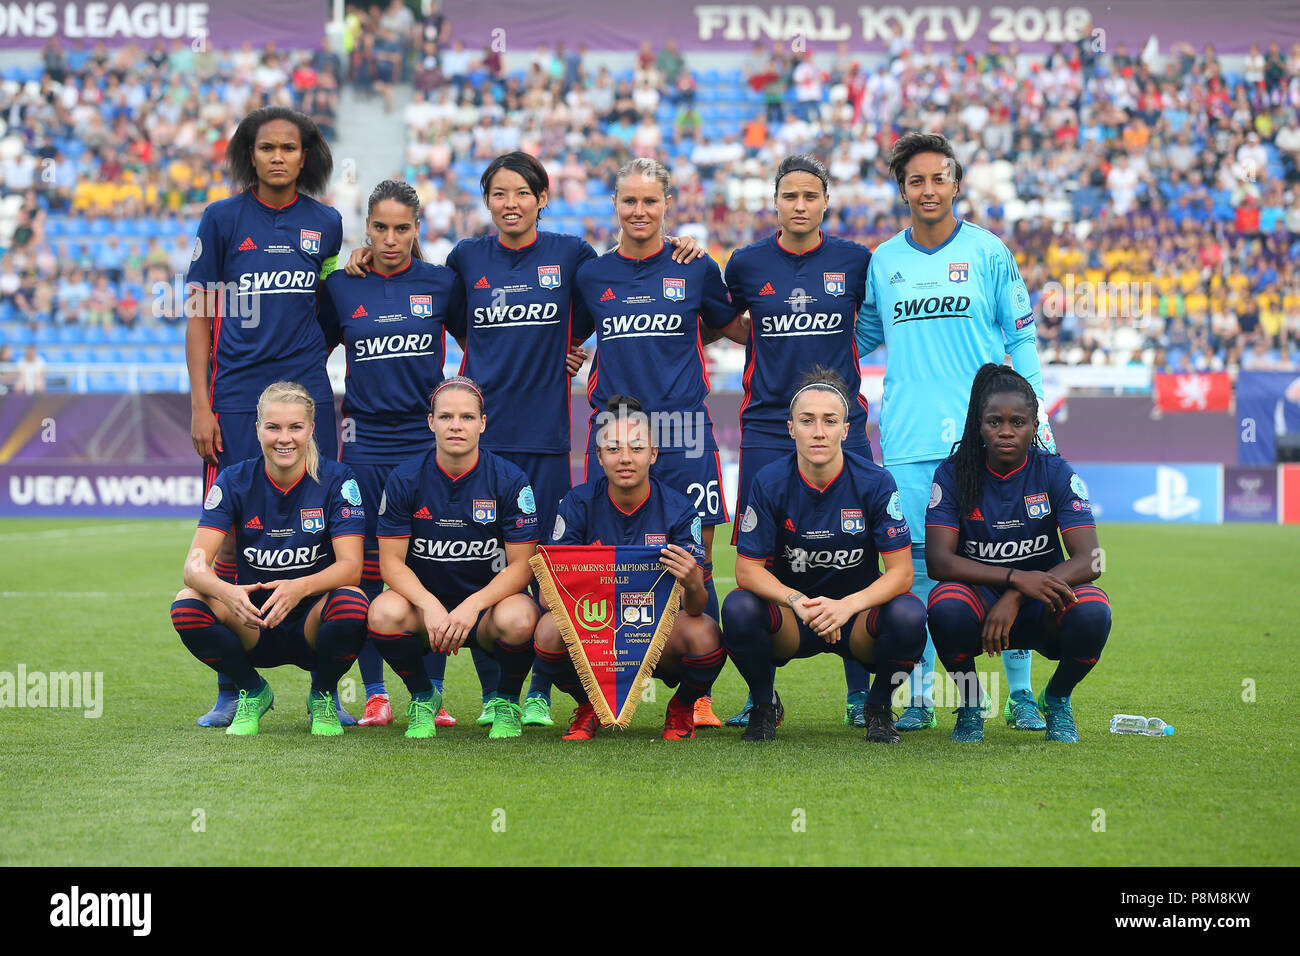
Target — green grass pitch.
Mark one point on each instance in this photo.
(1202, 615)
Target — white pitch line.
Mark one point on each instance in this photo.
(82, 532)
(79, 595)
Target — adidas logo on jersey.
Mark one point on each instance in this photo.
(789, 526)
(253, 524)
(248, 245)
(767, 289)
(975, 515)
(361, 311)
(424, 514)
(483, 283)
(896, 278)
(608, 294)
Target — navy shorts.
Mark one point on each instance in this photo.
(1035, 628)
(551, 480)
(286, 643)
(239, 438)
(371, 480)
(699, 479)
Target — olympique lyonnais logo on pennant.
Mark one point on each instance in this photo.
(421, 306)
(958, 271)
(675, 290)
(309, 241)
(485, 510)
(548, 277)
(656, 541)
(614, 607)
(313, 519)
(1037, 505)
(834, 282)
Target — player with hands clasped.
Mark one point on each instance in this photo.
(996, 507)
(298, 523)
(806, 565)
(457, 526)
(627, 506)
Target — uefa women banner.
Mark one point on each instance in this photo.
(519, 25)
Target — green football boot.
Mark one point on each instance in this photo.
(324, 710)
(855, 714)
(488, 714)
(507, 720)
(970, 725)
(537, 711)
(420, 716)
(1059, 718)
(249, 711)
(1022, 713)
(916, 718)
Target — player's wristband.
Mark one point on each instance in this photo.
(792, 597)
(1009, 572)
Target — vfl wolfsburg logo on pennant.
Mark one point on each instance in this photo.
(614, 607)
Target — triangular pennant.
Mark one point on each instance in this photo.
(614, 607)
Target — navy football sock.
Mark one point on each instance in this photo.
(1084, 628)
(435, 666)
(955, 624)
(747, 625)
(899, 643)
(214, 644)
(371, 664)
(489, 674)
(559, 671)
(856, 676)
(342, 632)
(514, 662)
(699, 671)
(402, 651)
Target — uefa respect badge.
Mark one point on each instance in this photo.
(614, 607)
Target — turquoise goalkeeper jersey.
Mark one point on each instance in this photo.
(942, 313)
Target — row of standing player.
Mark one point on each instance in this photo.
(458, 524)
(530, 299)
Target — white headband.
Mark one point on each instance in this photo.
(825, 385)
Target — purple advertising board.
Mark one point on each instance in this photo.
(519, 25)
(1250, 494)
(290, 24)
(52, 490)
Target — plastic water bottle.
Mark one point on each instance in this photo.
(1130, 724)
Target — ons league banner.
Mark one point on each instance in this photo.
(615, 607)
(215, 25)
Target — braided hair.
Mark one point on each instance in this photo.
(968, 455)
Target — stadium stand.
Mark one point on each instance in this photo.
(1153, 205)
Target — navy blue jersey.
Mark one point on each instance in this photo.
(289, 532)
(1017, 522)
(394, 330)
(458, 526)
(823, 543)
(587, 515)
(521, 314)
(268, 262)
(647, 314)
(803, 308)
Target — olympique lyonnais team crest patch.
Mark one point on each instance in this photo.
(852, 521)
(548, 277)
(615, 607)
(834, 282)
(421, 306)
(675, 290)
(485, 510)
(313, 519)
(309, 240)
(1037, 505)
(958, 271)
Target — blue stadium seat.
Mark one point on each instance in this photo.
(102, 381)
(158, 382)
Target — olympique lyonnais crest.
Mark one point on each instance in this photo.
(421, 306)
(313, 519)
(485, 510)
(1037, 505)
(852, 521)
(675, 290)
(834, 282)
(958, 271)
(615, 607)
(548, 277)
(309, 241)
